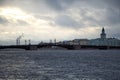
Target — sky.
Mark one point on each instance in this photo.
(42, 20)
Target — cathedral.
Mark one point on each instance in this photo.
(103, 41)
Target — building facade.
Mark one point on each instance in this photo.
(103, 41)
(77, 42)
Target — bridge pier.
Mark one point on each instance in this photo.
(31, 47)
(77, 47)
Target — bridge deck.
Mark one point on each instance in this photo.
(69, 47)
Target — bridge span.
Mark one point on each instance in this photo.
(68, 47)
(35, 47)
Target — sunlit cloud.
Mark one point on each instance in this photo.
(14, 14)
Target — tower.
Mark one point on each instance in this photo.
(103, 34)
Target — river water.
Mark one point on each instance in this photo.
(60, 65)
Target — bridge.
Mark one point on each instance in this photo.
(68, 47)
(35, 47)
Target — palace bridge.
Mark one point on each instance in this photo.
(68, 47)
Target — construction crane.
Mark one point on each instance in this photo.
(18, 39)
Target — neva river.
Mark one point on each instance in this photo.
(60, 65)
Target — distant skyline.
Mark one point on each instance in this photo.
(42, 20)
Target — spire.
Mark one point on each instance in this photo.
(103, 34)
(103, 30)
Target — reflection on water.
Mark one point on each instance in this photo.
(60, 65)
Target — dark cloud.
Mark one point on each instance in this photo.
(3, 20)
(109, 12)
(66, 21)
(55, 4)
(2, 2)
(113, 3)
(105, 10)
(22, 23)
(7, 2)
(101, 3)
(60, 5)
(112, 16)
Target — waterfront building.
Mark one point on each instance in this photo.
(103, 34)
(103, 41)
(80, 41)
(77, 42)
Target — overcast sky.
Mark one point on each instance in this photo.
(42, 20)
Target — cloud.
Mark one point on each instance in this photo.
(59, 5)
(7, 22)
(113, 3)
(46, 17)
(21, 23)
(66, 21)
(3, 20)
(54, 4)
(112, 16)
